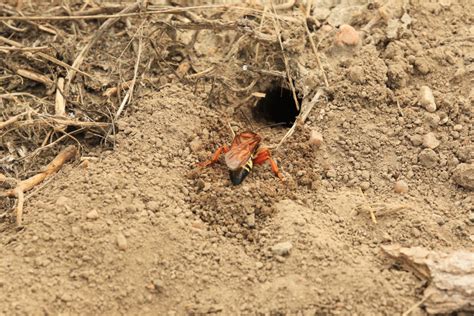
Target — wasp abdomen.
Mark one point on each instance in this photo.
(238, 176)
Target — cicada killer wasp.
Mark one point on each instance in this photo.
(244, 152)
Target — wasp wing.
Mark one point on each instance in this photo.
(238, 155)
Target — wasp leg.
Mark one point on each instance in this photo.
(264, 155)
(215, 157)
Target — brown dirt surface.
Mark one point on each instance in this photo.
(140, 230)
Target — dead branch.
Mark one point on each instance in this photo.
(23, 186)
(450, 273)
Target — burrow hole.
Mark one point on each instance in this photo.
(278, 106)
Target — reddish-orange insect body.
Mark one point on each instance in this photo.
(244, 152)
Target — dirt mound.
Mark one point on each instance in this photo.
(140, 230)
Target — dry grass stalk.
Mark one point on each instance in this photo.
(257, 48)
(11, 120)
(315, 50)
(19, 46)
(285, 59)
(128, 97)
(23, 49)
(102, 29)
(158, 10)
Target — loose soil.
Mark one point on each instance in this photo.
(142, 231)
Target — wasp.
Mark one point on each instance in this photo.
(244, 152)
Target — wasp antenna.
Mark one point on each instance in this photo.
(271, 125)
(247, 119)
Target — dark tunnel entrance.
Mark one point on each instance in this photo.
(278, 106)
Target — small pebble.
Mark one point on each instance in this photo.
(364, 185)
(463, 175)
(428, 158)
(62, 201)
(282, 249)
(316, 139)
(416, 140)
(430, 141)
(347, 35)
(92, 215)
(158, 285)
(326, 28)
(422, 65)
(153, 206)
(331, 173)
(356, 74)
(426, 99)
(457, 127)
(258, 265)
(195, 145)
(251, 220)
(121, 241)
(400, 187)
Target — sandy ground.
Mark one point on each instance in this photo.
(141, 231)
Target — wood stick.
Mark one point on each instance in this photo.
(35, 77)
(60, 104)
